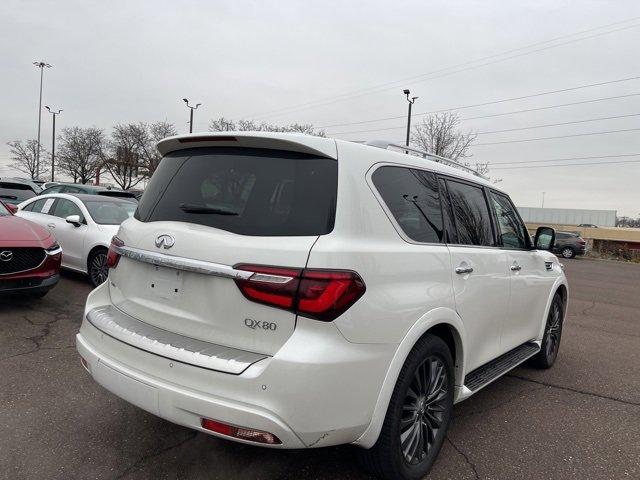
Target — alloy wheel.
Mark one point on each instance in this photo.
(423, 409)
(554, 328)
(98, 270)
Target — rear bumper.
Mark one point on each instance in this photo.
(28, 285)
(318, 390)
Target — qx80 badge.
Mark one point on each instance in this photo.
(259, 325)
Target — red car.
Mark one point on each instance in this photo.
(29, 256)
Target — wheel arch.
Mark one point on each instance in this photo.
(442, 322)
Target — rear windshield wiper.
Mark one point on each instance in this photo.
(9, 197)
(198, 208)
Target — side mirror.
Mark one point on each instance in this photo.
(74, 220)
(11, 207)
(545, 238)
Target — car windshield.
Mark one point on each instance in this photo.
(105, 212)
(3, 210)
(15, 192)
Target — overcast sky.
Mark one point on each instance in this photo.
(128, 61)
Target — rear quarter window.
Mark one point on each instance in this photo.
(245, 191)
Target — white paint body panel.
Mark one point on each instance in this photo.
(322, 383)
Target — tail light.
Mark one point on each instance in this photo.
(320, 294)
(113, 257)
(242, 433)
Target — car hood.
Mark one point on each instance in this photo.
(18, 232)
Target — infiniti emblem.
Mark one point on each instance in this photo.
(6, 256)
(165, 241)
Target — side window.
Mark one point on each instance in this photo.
(64, 208)
(471, 214)
(47, 203)
(70, 189)
(512, 232)
(413, 198)
(54, 189)
(29, 207)
(450, 233)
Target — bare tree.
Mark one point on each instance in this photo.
(80, 152)
(24, 156)
(150, 157)
(123, 155)
(439, 134)
(223, 124)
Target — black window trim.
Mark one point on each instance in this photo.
(485, 190)
(527, 237)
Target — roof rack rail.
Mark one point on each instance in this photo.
(429, 156)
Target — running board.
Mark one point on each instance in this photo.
(489, 372)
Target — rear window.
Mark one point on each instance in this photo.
(109, 213)
(246, 191)
(15, 192)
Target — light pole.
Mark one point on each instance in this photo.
(191, 114)
(411, 102)
(543, 199)
(53, 139)
(41, 65)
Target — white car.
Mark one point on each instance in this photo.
(298, 292)
(83, 226)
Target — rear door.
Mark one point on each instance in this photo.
(530, 281)
(480, 270)
(226, 206)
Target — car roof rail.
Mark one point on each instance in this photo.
(426, 155)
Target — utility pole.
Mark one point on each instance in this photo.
(411, 102)
(191, 114)
(41, 65)
(53, 139)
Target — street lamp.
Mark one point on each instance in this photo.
(411, 102)
(53, 139)
(41, 65)
(191, 114)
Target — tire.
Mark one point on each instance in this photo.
(567, 252)
(547, 355)
(412, 419)
(97, 267)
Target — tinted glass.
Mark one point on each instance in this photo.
(37, 205)
(109, 213)
(54, 189)
(63, 208)
(3, 210)
(245, 191)
(511, 231)
(471, 214)
(412, 197)
(71, 189)
(15, 192)
(450, 235)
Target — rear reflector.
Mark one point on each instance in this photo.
(320, 294)
(113, 257)
(242, 433)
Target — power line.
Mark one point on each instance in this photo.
(559, 136)
(508, 129)
(443, 72)
(493, 102)
(569, 165)
(563, 159)
(558, 124)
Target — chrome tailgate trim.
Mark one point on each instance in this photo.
(136, 333)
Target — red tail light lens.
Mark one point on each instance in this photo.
(113, 256)
(320, 294)
(251, 435)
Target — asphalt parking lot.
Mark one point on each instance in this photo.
(579, 420)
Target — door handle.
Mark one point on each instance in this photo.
(462, 270)
(516, 268)
(51, 225)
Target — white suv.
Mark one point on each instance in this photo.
(295, 292)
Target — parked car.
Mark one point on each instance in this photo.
(88, 190)
(29, 256)
(83, 224)
(298, 292)
(35, 186)
(569, 244)
(12, 192)
(587, 225)
(46, 185)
